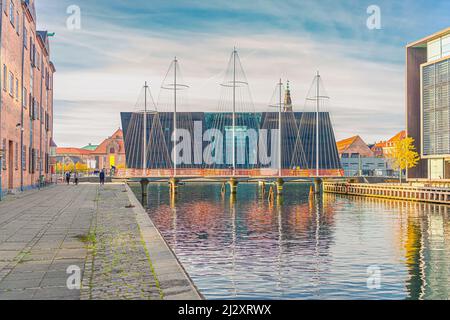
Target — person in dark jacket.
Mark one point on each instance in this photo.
(68, 177)
(102, 177)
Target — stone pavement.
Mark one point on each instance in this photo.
(116, 248)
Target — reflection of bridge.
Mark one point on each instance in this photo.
(233, 144)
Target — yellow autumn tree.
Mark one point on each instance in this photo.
(81, 167)
(404, 155)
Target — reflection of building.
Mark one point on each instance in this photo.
(132, 124)
(428, 107)
(359, 160)
(26, 99)
(109, 153)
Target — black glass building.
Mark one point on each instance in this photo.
(298, 134)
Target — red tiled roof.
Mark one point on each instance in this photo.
(398, 137)
(72, 151)
(344, 144)
(118, 136)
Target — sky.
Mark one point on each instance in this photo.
(101, 66)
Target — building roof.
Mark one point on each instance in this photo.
(118, 137)
(53, 143)
(398, 137)
(346, 143)
(90, 147)
(72, 151)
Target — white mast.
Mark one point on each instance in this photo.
(234, 111)
(280, 129)
(317, 125)
(175, 116)
(144, 160)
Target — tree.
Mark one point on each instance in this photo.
(404, 155)
(81, 167)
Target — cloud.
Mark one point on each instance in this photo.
(102, 67)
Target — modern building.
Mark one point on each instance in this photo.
(110, 153)
(358, 159)
(428, 104)
(26, 99)
(299, 144)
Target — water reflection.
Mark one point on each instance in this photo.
(300, 248)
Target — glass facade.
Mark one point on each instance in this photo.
(303, 135)
(438, 48)
(436, 105)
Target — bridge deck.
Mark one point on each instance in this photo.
(209, 174)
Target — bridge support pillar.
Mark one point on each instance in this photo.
(174, 183)
(280, 186)
(233, 186)
(318, 186)
(144, 188)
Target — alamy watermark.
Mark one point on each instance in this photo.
(74, 280)
(374, 278)
(214, 147)
(73, 22)
(374, 20)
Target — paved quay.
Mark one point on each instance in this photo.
(100, 235)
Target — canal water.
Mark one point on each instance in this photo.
(335, 247)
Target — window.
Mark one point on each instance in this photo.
(11, 12)
(24, 97)
(17, 23)
(16, 157)
(24, 158)
(25, 37)
(31, 80)
(5, 77)
(17, 89)
(434, 50)
(446, 46)
(4, 149)
(11, 84)
(38, 59)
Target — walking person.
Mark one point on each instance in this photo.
(102, 177)
(68, 177)
(75, 177)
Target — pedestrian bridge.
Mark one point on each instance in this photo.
(161, 174)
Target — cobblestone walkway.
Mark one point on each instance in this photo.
(119, 266)
(40, 236)
(44, 233)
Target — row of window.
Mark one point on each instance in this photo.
(438, 48)
(33, 156)
(12, 86)
(37, 59)
(14, 16)
(10, 83)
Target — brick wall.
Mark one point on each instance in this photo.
(26, 115)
